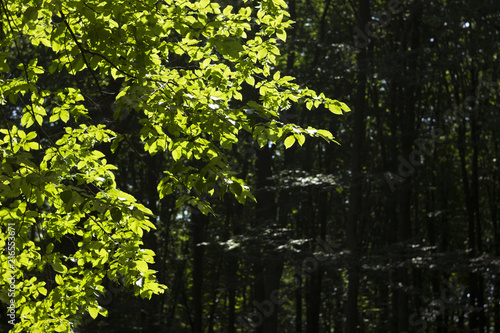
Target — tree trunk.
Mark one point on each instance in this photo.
(268, 269)
(356, 196)
(199, 222)
(355, 199)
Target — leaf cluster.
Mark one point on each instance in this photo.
(187, 69)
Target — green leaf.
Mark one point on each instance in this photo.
(281, 3)
(177, 154)
(116, 214)
(289, 141)
(93, 310)
(4, 67)
(309, 104)
(281, 34)
(236, 188)
(53, 67)
(300, 138)
(229, 46)
(66, 196)
(325, 134)
(344, 107)
(262, 53)
(142, 266)
(59, 267)
(31, 14)
(59, 280)
(250, 80)
(64, 115)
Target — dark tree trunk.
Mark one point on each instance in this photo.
(356, 196)
(298, 306)
(313, 301)
(199, 222)
(268, 269)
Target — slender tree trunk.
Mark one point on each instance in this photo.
(493, 199)
(176, 290)
(268, 268)
(215, 294)
(313, 301)
(232, 299)
(199, 222)
(355, 200)
(231, 271)
(298, 307)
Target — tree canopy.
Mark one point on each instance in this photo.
(81, 80)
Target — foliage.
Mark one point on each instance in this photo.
(187, 69)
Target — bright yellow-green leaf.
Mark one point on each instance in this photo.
(59, 280)
(281, 34)
(64, 115)
(300, 138)
(289, 141)
(177, 153)
(142, 266)
(309, 104)
(93, 310)
(250, 80)
(325, 134)
(262, 53)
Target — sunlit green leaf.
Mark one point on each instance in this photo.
(289, 141)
